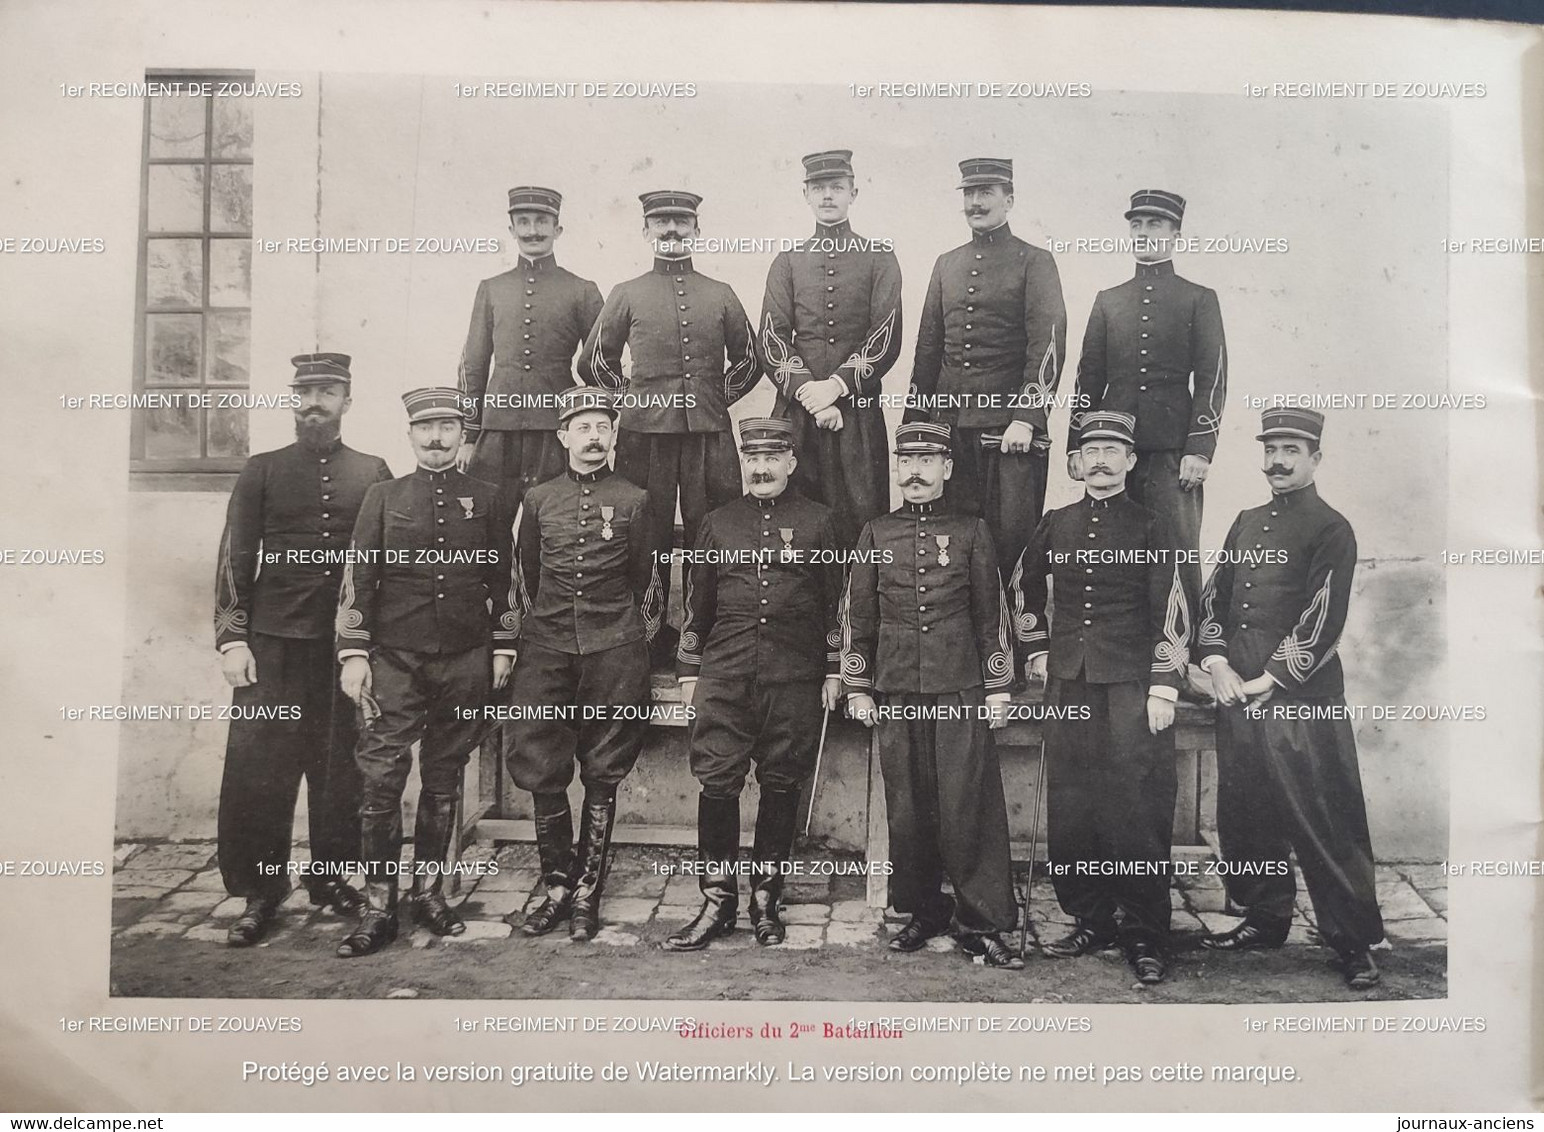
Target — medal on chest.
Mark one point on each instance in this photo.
(943, 549)
(786, 534)
(468, 504)
(606, 513)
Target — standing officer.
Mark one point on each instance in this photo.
(526, 326)
(992, 339)
(830, 331)
(927, 632)
(760, 661)
(273, 629)
(590, 594)
(1154, 348)
(693, 355)
(425, 631)
(1118, 652)
(1287, 774)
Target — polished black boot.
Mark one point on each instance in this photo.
(555, 851)
(342, 897)
(718, 847)
(380, 835)
(592, 861)
(432, 832)
(255, 919)
(776, 819)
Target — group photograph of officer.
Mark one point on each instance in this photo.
(527, 559)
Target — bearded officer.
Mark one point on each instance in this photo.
(990, 348)
(273, 627)
(1287, 774)
(830, 331)
(926, 635)
(590, 592)
(1117, 655)
(1154, 348)
(693, 355)
(425, 631)
(527, 325)
(760, 662)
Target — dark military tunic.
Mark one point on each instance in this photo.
(1122, 620)
(590, 599)
(298, 503)
(834, 310)
(760, 633)
(527, 324)
(1154, 348)
(428, 598)
(993, 338)
(926, 631)
(1276, 604)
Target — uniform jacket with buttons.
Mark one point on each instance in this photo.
(586, 579)
(924, 609)
(771, 617)
(526, 326)
(1277, 601)
(1154, 348)
(693, 351)
(832, 313)
(294, 499)
(434, 569)
(994, 329)
(1122, 608)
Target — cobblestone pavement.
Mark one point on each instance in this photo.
(172, 893)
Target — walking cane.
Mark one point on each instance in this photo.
(825, 718)
(1034, 839)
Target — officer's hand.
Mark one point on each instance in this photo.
(688, 690)
(1192, 471)
(502, 667)
(829, 418)
(356, 677)
(464, 454)
(863, 709)
(817, 395)
(1075, 465)
(1034, 671)
(996, 715)
(239, 665)
(831, 693)
(1227, 685)
(1259, 702)
(1160, 714)
(1018, 437)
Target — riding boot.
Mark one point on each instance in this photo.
(718, 845)
(776, 819)
(380, 833)
(432, 832)
(592, 860)
(555, 851)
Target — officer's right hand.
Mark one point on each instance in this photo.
(688, 690)
(1075, 465)
(356, 677)
(829, 418)
(239, 666)
(1227, 685)
(1035, 669)
(863, 709)
(464, 454)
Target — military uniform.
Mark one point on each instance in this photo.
(760, 635)
(693, 355)
(590, 596)
(993, 337)
(296, 504)
(1154, 348)
(1123, 617)
(926, 632)
(1276, 604)
(427, 597)
(527, 324)
(834, 309)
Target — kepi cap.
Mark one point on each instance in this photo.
(1099, 424)
(669, 202)
(585, 399)
(321, 369)
(1305, 423)
(434, 403)
(976, 171)
(1157, 202)
(766, 434)
(533, 198)
(921, 437)
(829, 163)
